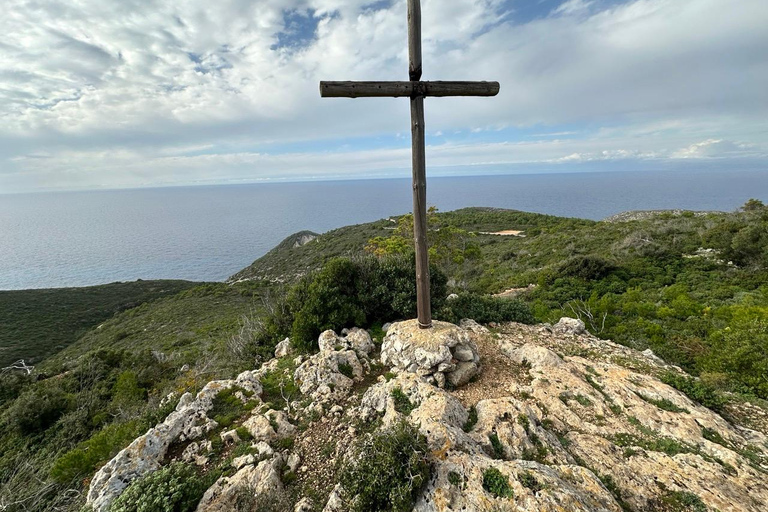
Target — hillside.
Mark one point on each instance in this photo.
(555, 420)
(691, 287)
(39, 323)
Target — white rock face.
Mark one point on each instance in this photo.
(570, 423)
(284, 348)
(444, 353)
(353, 339)
(262, 479)
(145, 454)
(333, 371)
(262, 426)
(569, 326)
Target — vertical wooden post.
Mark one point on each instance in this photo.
(414, 40)
(419, 168)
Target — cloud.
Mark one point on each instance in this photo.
(717, 148)
(131, 92)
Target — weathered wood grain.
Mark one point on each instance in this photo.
(406, 89)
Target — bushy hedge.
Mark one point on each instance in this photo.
(348, 293)
(174, 488)
(484, 309)
(38, 408)
(386, 470)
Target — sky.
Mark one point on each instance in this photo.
(101, 94)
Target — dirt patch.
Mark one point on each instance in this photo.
(498, 376)
(504, 232)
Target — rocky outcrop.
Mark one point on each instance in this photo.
(332, 372)
(443, 354)
(250, 481)
(144, 455)
(564, 420)
(577, 434)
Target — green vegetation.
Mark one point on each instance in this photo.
(227, 407)
(496, 483)
(278, 385)
(174, 488)
(676, 501)
(403, 404)
(693, 288)
(455, 479)
(387, 470)
(363, 292)
(529, 481)
(91, 399)
(663, 403)
(485, 309)
(471, 419)
(39, 323)
(696, 389)
(496, 446)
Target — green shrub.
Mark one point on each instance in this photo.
(496, 483)
(528, 480)
(127, 390)
(471, 419)
(37, 409)
(663, 403)
(484, 309)
(327, 302)
(590, 268)
(227, 407)
(363, 292)
(279, 383)
(498, 448)
(83, 460)
(403, 404)
(174, 488)
(741, 352)
(386, 470)
(696, 390)
(346, 370)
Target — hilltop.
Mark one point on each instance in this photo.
(690, 288)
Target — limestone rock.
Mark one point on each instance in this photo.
(222, 496)
(330, 372)
(270, 426)
(284, 348)
(569, 326)
(145, 454)
(462, 374)
(444, 349)
(304, 505)
(353, 339)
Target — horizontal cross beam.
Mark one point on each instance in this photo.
(407, 89)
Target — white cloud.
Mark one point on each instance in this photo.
(130, 92)
(717, 148)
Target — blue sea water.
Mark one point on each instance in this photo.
(210, 232)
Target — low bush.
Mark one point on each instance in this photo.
(403, 404)
(174, 488)
(484, 309)
(37, 409)
(84, 459)
(363, 292)
(496, 483)
(386, 470)
(590, 267)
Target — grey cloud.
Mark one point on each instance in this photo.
(133, 80)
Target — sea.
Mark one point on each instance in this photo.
(207, 233)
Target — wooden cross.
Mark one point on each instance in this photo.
(417, 91)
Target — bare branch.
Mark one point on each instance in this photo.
(19, 365)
